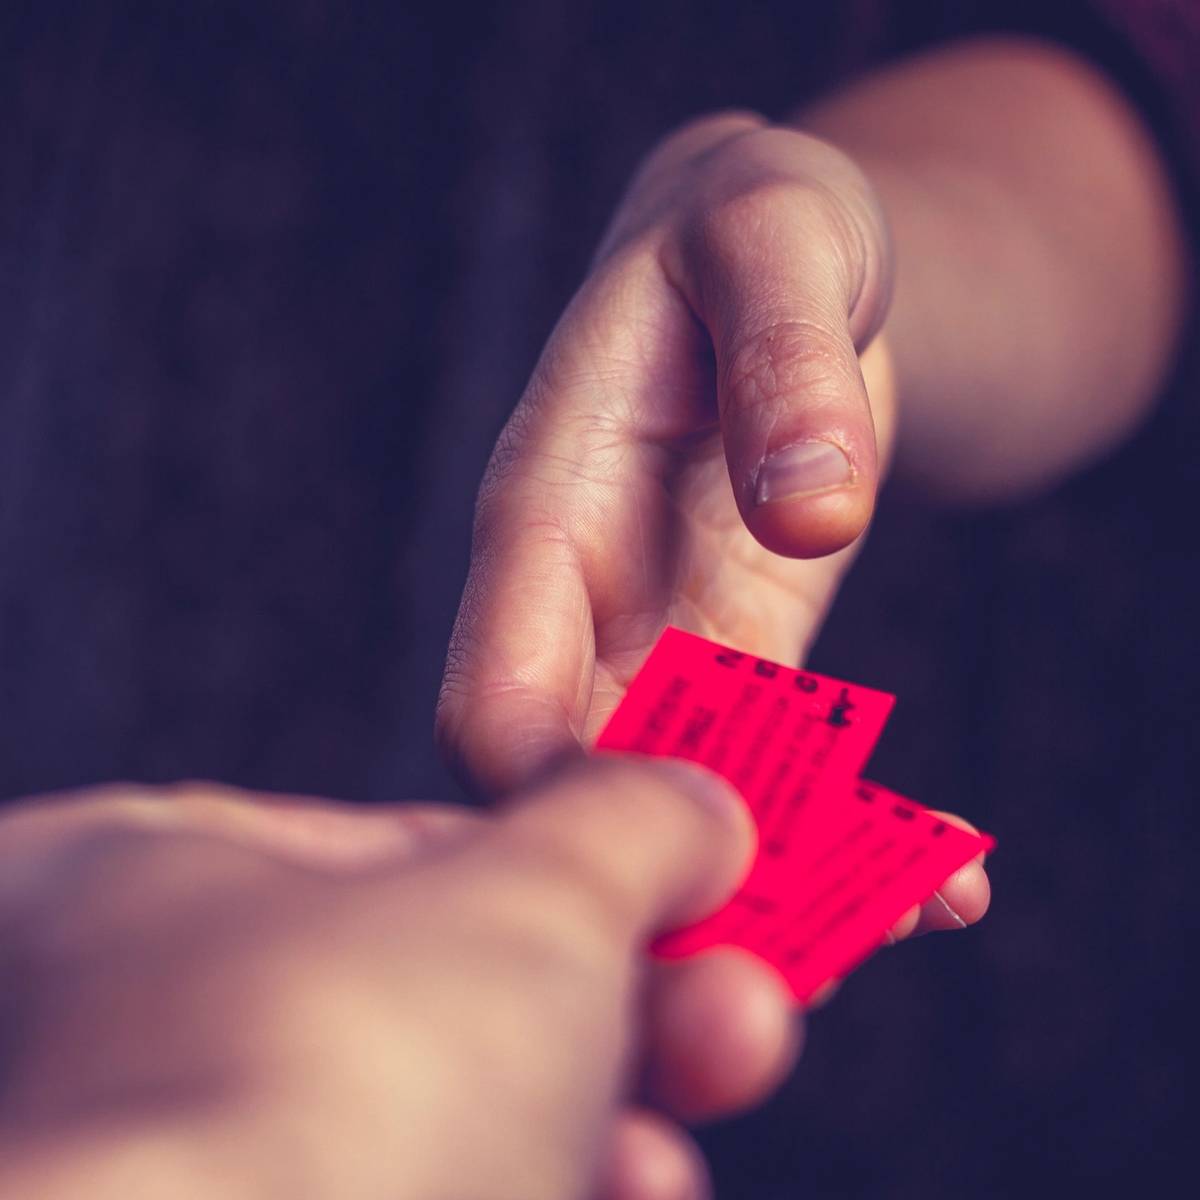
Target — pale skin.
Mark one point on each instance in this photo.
(211, 992)
(208, 993)
(969, 267)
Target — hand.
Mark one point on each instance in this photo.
(209, 995)
(699, 420)
(699, 445)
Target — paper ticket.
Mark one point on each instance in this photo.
(839, 860)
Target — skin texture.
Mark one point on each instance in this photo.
(972, 263)
(219, 995)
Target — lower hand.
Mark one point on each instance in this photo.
(208, 993)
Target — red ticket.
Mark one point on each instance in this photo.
(839, 860)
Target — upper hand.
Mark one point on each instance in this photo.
(700, 443)
(653, 473)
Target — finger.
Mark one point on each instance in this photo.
(570, 532)
(721, 1034)
(958, 903)
(657, 844)
(655, 188)
(961, 900)
(514, 692)
(651, 1158)
(789, 276)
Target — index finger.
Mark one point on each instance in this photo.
(572, 554)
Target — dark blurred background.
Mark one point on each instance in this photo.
(271, 277)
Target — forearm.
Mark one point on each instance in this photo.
(1040, 279)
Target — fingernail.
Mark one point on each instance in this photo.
(801, 469)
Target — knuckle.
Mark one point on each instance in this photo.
(474, 724)
(673, 166)
(702, 133)
(187, 793)
(774, 187)
(533, 472)
(115, 799)
(725, 225)
(774, 174)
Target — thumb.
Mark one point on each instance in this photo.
(657, 844)
(789, 275)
